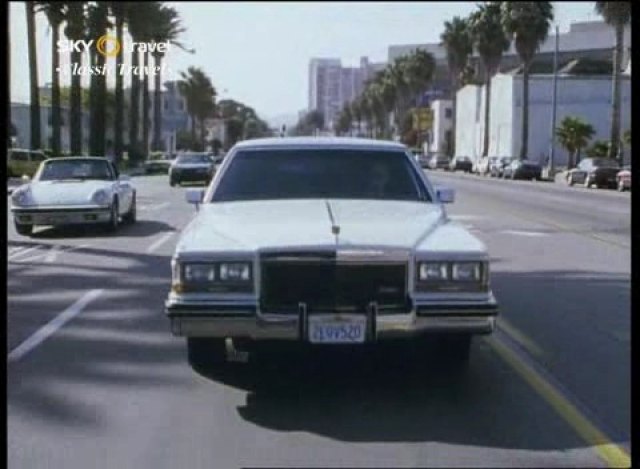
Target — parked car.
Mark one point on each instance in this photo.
(523, 169)
(461, 163)
(160, 166)
(439, 162)
(483, 165)
(191, 167)
(496, 166)
(73, 191)
(22, 162)
(281, 250)
(623, 179)
(600, 172)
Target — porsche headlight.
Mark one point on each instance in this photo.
(222, 277)
(452, 276)
(20, 197)
(100, 197)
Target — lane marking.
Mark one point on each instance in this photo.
(52, 254)
(23, 251)
(524, 233)
(612, 454)
(52, 326)
(465, 217)
(160, 242)
(528, 344)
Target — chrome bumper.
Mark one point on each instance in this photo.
(217, 321)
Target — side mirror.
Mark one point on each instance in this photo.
(194, 196)
(445, 195)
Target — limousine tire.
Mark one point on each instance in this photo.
(24, 230)
(205, 352)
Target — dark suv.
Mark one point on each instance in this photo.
(600, 172)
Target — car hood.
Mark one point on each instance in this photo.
(65, 192)
(267, 225)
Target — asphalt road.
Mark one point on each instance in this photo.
(95, 379)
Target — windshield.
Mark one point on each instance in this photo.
(57, 170)
(193, 158)
(314, 174)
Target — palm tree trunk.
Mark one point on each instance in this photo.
(615, 105)
(487, 107)
(454, 107)
(93, 106)
(8, 76)
(75, 121)
(202, 134)
(55, 90)
(119, 96)
(101, 108)
(524, 146)
(157, 108)
(36, 141)
(145, 107)
(193, 130)
(134, 112)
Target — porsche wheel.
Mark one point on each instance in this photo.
(112, 224)
(130, 216)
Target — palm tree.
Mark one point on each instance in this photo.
(356, 113)
(490, 41)
(348, 118)
(399, 75)
(54, 11)
(33, 76)
(599, 149)
(97, 23)
(420, 68)
(528, 24)
(146, 35)
(167, 29)
(119, 11)
(200, 96)
(188, 89)
(574, 135)
(457, 42)
(617, 15)
(75, 30)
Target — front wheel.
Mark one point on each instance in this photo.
(24, 230)
(204, 352)
(112, 224)
(587, 182)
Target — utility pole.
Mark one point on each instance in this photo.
(553, 107)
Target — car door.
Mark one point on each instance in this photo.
(124, 189)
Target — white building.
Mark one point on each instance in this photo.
(587, 97)
(439, 139)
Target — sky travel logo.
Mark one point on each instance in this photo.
(109, 47)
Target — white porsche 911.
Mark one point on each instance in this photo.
(73, 191)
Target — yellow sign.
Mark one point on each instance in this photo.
(101, 46)
(422, 118)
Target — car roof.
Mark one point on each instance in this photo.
(319, 143)
(75, 158)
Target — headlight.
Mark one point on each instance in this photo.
(452, 276)
(221, 277)
(20, 197)
(100, 197)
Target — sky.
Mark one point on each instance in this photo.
(258, 53)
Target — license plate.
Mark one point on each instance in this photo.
(332, 329)
(54, 219)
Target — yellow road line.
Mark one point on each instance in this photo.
(608, 451)
(528, 344)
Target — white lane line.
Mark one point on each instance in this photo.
(160, 242)
(22, 251)
(52, 326)
(154, 207)
(52, 254)
(15, 250)
(524, 233)
(465, 217)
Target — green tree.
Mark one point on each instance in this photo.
(457, 43)
(75, 30)
(599, 149)
(617, 15)
(574, 135)
(36, 141)
(54, 11)
(527, 23)
(490, 40)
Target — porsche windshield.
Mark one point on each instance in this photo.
(193, 159)
(320, 173)
(54, 170)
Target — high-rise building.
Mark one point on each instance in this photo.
(331, 86)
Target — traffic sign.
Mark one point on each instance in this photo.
(422, 118)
